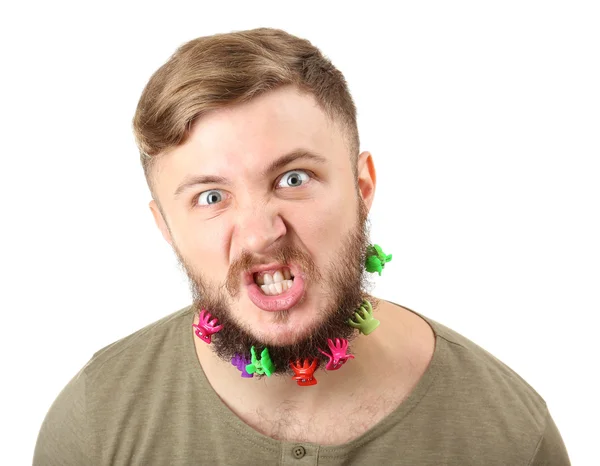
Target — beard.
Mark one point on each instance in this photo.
(344, 282)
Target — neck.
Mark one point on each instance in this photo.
(378, 353)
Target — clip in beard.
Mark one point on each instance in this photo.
(240, 361)
(376, 259)
(261, 366)
(338, 355)
(206, 327)
(304, 372)
(363, 319)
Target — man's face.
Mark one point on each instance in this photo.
(268, 185)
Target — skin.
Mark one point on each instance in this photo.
(257, 214)
(238, 144)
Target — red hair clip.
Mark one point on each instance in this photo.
(304, 372)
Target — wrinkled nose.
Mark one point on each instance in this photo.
(258, 229)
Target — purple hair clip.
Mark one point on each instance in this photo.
(241, 362)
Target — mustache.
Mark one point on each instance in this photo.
(286, 254)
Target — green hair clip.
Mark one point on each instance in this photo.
(261, 366)
(363, 319)
(376, 259)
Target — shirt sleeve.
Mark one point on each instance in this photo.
(63, 437)
(551, 450)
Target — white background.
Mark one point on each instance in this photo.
(483, 118)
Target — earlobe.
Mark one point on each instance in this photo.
(367, 178)
(160, 221)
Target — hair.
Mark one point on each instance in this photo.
(217, 71)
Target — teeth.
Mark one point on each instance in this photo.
(276, 288)
(279, 276)
(276, 283)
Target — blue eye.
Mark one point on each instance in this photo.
(293, 179)
(210, 197)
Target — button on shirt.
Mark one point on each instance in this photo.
(298, 452)
(295, 454)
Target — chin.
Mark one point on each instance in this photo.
(284, 328)
(282, 338)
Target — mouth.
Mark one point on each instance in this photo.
(274, 282)
(275, 287)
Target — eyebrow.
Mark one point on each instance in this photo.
(298, 154)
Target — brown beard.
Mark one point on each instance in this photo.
(344, 280)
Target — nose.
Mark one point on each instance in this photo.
(258, 229)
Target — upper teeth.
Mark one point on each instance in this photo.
(268, 278)
(276, 283)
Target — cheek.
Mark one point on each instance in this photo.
(204, 246)
(321, 225)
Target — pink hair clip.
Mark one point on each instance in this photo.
(206, 327)
(338, 355)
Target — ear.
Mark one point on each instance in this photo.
(160, 222)
(367, 178)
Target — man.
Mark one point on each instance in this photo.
(250, 147)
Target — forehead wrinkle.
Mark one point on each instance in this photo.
(229, 130)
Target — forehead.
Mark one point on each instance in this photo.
(239, 141)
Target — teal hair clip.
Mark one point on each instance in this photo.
(376, 259)
(261, 366)
(363, 319)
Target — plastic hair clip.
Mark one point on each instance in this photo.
(264, 365)
(363, 319)
(304, 372)
(376, 259)
(338, 355)
(206, 327)
(240, 361)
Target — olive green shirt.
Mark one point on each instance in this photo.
(144, 400)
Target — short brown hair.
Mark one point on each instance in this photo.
(215, 71)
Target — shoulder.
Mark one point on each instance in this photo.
(481, 377)
(484, 404)
(111, 379)
(140, 365)
(477, 376)
(151, 336)
(63, 437)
